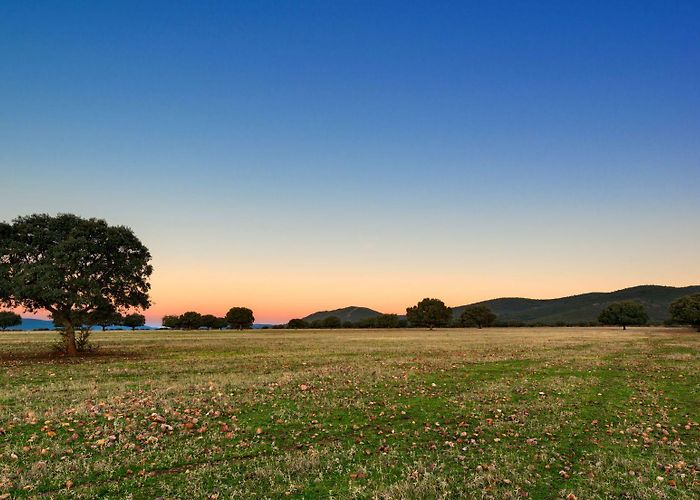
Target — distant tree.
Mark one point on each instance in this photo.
(297, 324)
(317, 323)
(105, 318)
(190, 320)
(208, 321)
(478, 316)
(624, 314)
(240, 318)
(331, 322)
(430, 313)
(70, 266)
(133, 321)
(171, 321)
(9, 319)
(387, 321)
(348, 324)
(220, 323)
(686, 311)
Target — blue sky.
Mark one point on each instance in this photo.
(302, 155)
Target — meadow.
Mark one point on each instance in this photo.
(495, 413)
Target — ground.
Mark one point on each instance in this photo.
(495, 413)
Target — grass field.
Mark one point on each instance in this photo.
(544, 413)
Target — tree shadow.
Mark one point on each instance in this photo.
(56, 357)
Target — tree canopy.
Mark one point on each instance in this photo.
(208, 321)
(105, 318)
(8, 319)
(70, 267)
(171, 321)
(429, 313)
(297, 324)
(478, 316)
(624, 314)
(190, 320)
(134, 320)
(686, 311)
(240, 318)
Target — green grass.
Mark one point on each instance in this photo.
(543, 413)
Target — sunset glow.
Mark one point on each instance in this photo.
(269, 158)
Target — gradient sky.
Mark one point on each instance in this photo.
(297, 156)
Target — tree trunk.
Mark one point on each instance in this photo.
(71, 348)
(624, 327)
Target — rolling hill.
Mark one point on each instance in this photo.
(351, 313)
(573, 309)
(584, 308)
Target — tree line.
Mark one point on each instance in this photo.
(430, 313)
(433, 313)
(237, 318)
(85, 272)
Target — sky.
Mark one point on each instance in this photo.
(300, 156)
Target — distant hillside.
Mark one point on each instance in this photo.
(352, 313)
(585, 307)
(32, 324)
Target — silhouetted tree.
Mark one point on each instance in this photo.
(297, 324)
(105, 318)
(686, 311)
(191, 320)
(171, 321)
(624, 314)
(133, 321)
(208, 321)
(430, 313)
(220, 323)
(478, 316)
(9, 319)
(240, 318)
(76, 266)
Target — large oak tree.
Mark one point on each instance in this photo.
(240, 318)
(430, 313)
(624, 314)
(686, 310)
(134, 321)
(71, 267)
(478, 316)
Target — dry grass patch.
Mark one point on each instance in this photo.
(497, 413)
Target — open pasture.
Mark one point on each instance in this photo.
(497, 413)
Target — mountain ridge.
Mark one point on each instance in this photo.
(570, 309)
(349, 313)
